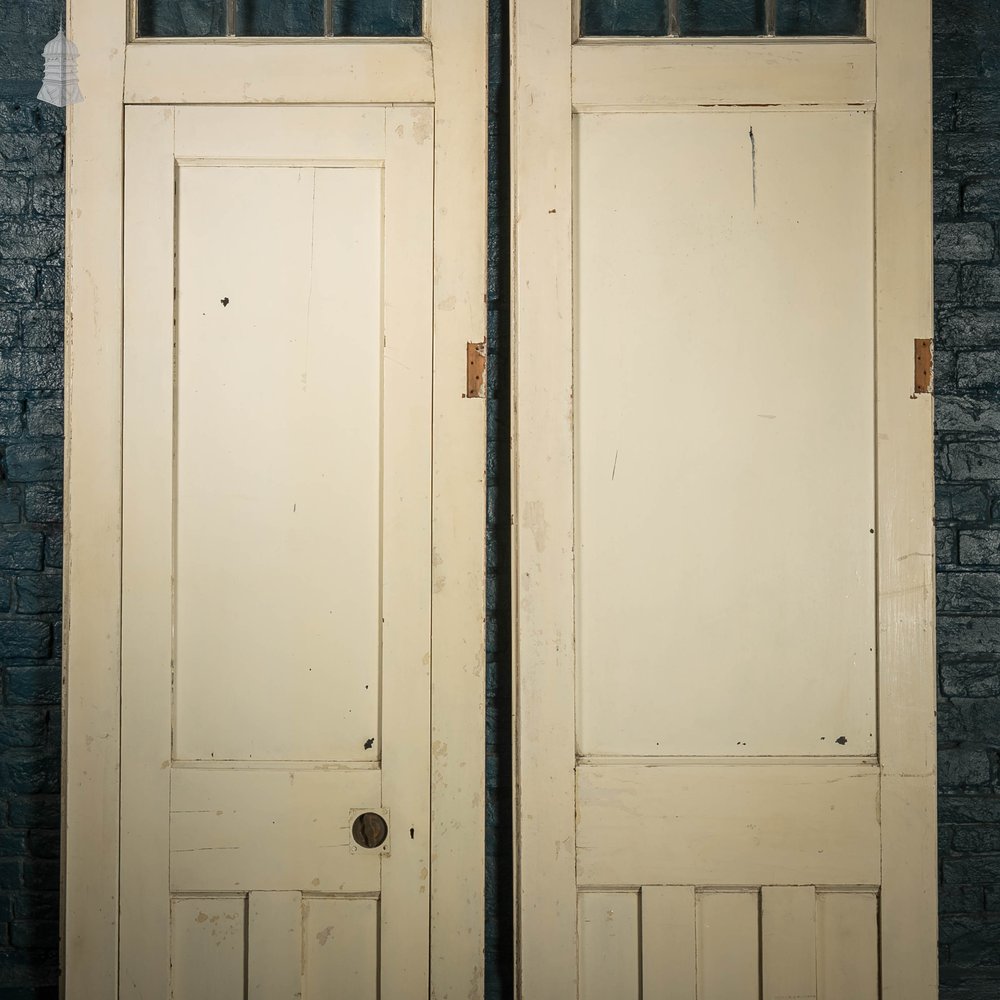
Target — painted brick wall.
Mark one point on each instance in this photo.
(31, 420)
(967, 205)
(967, 293)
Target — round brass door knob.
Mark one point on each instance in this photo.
(369, 830)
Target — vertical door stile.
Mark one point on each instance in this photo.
(907, 703)
(458, 653)
(542, 473)
(147, 546)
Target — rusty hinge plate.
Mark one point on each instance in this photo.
(475, 371)
(923, 366)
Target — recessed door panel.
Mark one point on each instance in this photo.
(725, 433)
(279, 425)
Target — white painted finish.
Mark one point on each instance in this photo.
(728, 946)
(907, 689)
(274, 623)
(728, 824)
(542, 472)
(651, 74)
(277, 643)
(847, 960)
(274, 946)
(340, 947)
(232, 829)
(208, 953)
(693, 604)
(92, 519)
(459, 33)
(705, 509)
(609, 945)
(669, 947)
(788, 941)
(307, 71)
(452, 75)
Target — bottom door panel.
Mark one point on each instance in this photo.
(737, 943)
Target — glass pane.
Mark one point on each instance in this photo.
(279, 18)
(721, 17)
(623, 17)
(377, 18)
(181, 18)
(821, 17)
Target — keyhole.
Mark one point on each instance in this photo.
(369, 830)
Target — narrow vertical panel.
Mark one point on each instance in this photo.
(274, 946)
(847, 945)
(728, 946)
(543, 543)
(146, 629)
(406, 545)
(904, 286)
(669, 958)
(208, 942)
(340, 948)
(609, 945)
(788, 941)
(459, 32)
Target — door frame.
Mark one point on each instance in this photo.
(446, 68)
(554, 75)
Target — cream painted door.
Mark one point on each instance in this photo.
(276, 551)
(724, 585)
(276, 462)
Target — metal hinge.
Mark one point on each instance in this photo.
(475, 370)
(923, 366)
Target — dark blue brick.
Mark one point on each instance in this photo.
(982, 196)
(42, 327)
(38, 593)
(972, 680)
(961, 635)
(25, 639)
(17, 282)
(48, 196)
(966, 415)
(40, 685)
(43, 844)
(54, 549)
(43, 502)
(32, 463)
(30, 773)
(972, 460)
(979, 548)
(963, 241)
(31, 371)
(13, 194)
(968, 592)
(21, 549)
(962, 503)
(11, 414)
(34, 934)
(23, 727)
(41, 874)
(45, 417)
(33, 239)
(35, 812)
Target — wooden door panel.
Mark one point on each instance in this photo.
(725, 434)
(278, 443)
(276, 543)
(768, 942)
